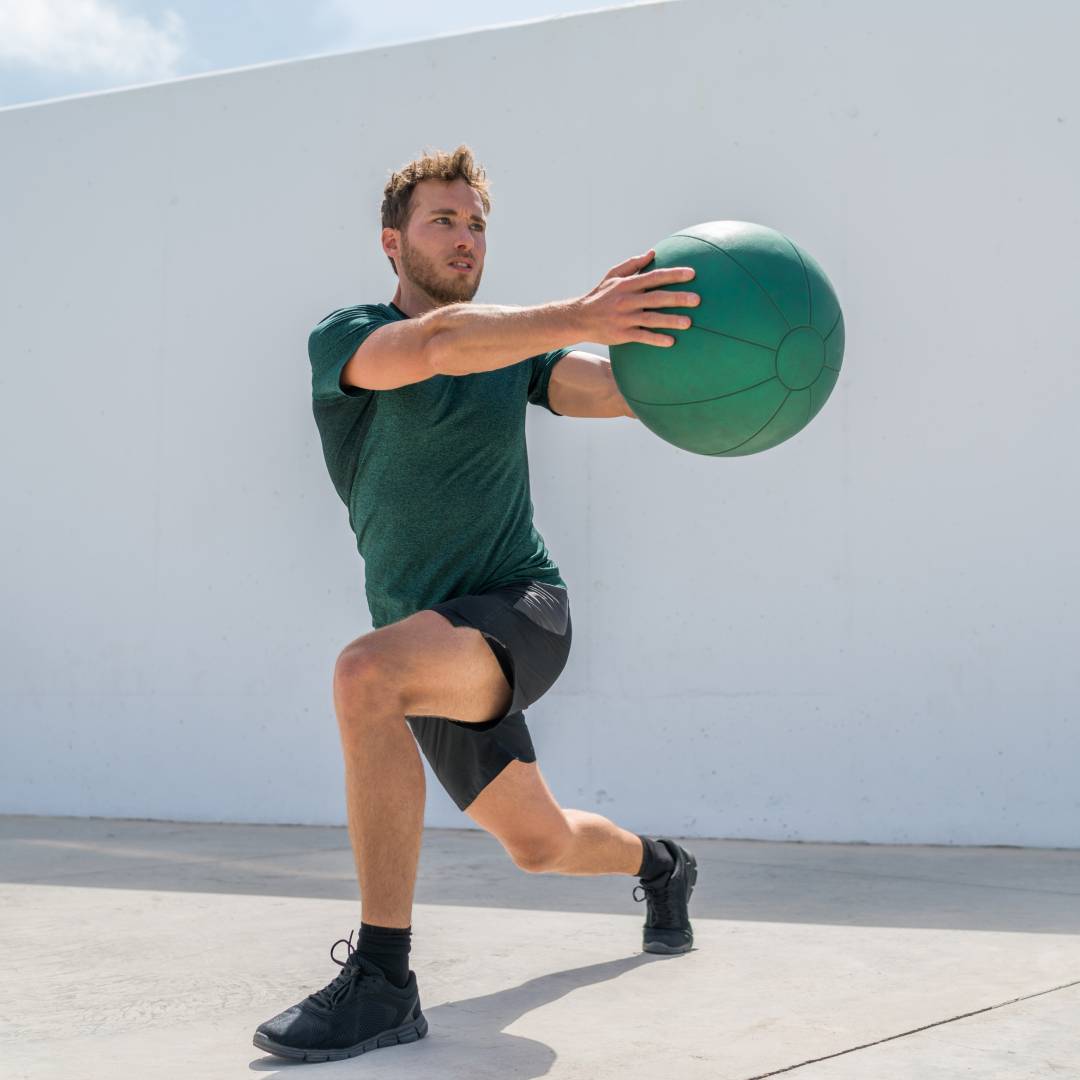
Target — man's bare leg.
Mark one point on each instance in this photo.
(598, 846)
(421, 666)
(384, 796)
(519, 810)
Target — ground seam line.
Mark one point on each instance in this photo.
(895, 877)
(914, 1031)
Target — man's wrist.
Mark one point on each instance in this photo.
(571, 320)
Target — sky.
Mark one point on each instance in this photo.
(55, 48)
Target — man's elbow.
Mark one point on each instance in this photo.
(446, 348)
(442, 353)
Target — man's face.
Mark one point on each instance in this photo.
(446, 226)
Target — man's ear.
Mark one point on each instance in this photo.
(391, 242)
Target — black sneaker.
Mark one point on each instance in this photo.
(360, 1010)
(667, 921)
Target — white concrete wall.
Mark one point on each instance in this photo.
(867, 634)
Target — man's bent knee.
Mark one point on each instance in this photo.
(543, 854)
(364, 673)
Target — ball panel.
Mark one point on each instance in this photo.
(823, 302)
(723, 233)
(800, 358)
(711, 427)
(768, 257)
(792, 416)
(731, 302)
(698, 367)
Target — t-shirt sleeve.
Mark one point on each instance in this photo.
(540, 375)
(331, 345)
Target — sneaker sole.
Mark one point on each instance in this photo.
(672, 950)
(406, 1033)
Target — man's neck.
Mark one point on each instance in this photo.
(415, 302)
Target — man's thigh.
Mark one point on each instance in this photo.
(438, 669)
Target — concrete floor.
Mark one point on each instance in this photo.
(153, 949)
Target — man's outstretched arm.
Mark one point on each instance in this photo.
(461, 339)
(582, 385)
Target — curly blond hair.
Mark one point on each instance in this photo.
(460, 164)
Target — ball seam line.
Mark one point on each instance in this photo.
(768, 295)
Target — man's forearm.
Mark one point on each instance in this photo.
(482, 337)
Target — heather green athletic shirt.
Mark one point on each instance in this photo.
(435, 474)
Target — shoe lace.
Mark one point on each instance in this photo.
(661, 905)
(354, 967)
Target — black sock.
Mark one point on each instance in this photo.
(388, 947)
(656, 859)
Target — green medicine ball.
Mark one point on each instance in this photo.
(762, 355)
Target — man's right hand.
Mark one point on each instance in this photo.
(621, 307)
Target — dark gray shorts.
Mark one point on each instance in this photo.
(527, 624)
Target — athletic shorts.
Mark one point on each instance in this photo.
(527, 625)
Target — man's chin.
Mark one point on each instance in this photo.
(459, 296)
(453, 291)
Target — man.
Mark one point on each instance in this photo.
(420, 406)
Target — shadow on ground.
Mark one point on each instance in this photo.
(974, 888)
(464, 1033)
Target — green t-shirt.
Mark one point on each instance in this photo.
(435, 474)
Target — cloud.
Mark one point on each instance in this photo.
(80, 36)
(361, 24)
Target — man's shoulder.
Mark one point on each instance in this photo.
(357, 313)
(347, 326)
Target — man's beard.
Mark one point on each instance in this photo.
(445, 287)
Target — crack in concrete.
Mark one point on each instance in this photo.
(914, 1031)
